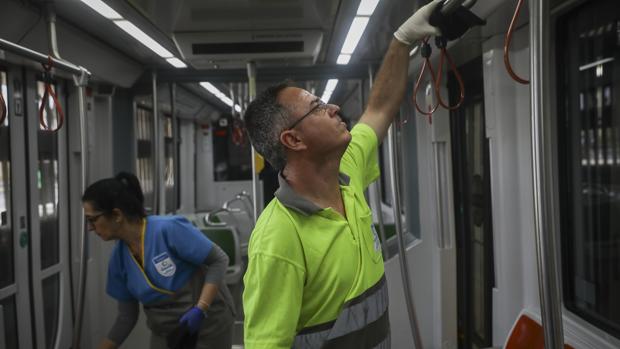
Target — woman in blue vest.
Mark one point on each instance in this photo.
(163, 262)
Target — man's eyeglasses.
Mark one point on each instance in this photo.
(93, 219)
(319, 106)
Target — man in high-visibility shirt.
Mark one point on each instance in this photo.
(315, 277)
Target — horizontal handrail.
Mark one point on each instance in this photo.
(42, 58)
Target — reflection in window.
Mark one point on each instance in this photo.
(7, 274)
(589, 148)
(5, 96)
(51, 298)
(170, 168)
(47, 182)
(144, 161)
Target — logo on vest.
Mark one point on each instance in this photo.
(375, 238)
(164, 265)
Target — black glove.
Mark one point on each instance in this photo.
(456, 23)
(181, 338)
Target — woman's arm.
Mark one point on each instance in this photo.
(216, 264)
(125, 321)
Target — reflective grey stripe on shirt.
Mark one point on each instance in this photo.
(364, 317)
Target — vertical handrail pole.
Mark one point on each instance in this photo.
(175, 144)
(548, 285)
(251, 67)
(378, 187)
(51, 30)
(396, 205)
(81, 83)
(156, 181)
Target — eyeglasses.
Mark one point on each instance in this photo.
(93, 219)
(320, 106)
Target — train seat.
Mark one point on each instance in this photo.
(227, 238)
(527, 333)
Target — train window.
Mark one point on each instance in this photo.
(408, 178)
(144, 158)
(589, 151)
(171, 168)
(47, 181)
(7, 274)
(232, 159)
(10, 322)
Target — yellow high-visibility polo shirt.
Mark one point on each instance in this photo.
(316, 279)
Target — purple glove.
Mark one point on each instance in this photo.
(193, 319)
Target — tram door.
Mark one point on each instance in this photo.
(34, 232)
(472, 202)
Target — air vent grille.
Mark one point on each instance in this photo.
(248, 47)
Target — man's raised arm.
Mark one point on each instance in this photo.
(391, 80)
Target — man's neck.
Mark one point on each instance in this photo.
(317, 182)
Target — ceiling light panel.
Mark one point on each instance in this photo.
(103, 9)
(367, 7)
(354, 35)
(343, 59)
(144, 39)
(175, 62)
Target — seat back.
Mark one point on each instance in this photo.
(527, 333)
(226, 239)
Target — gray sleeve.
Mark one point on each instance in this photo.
(216, 264)
(125, 321)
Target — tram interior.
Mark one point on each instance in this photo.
(487, 232)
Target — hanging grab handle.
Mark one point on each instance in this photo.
(507, 43)
(425, 51)
(441, 43)
(49, 91)
(4, 110)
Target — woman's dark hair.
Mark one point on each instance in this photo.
(122, 191)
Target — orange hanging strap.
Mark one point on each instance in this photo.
(441, 44)
(49, 91)
(426, 53)
(4, 110)
(238, 133)
(507, 42)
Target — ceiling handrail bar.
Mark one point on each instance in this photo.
(42, 58)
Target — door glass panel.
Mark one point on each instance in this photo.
(47, 182)
(10, 322)
(51, 297)
(144, 161)
(7, 274)
(589, 152)
(472, 204)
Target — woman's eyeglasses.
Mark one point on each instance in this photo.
(93, 219)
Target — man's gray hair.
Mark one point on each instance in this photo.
(264, 120)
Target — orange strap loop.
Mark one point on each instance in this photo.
(441, 43)
(426, 53)
(4, 110)
(49, 91)
(507, 42)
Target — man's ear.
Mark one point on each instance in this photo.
(291, 140)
